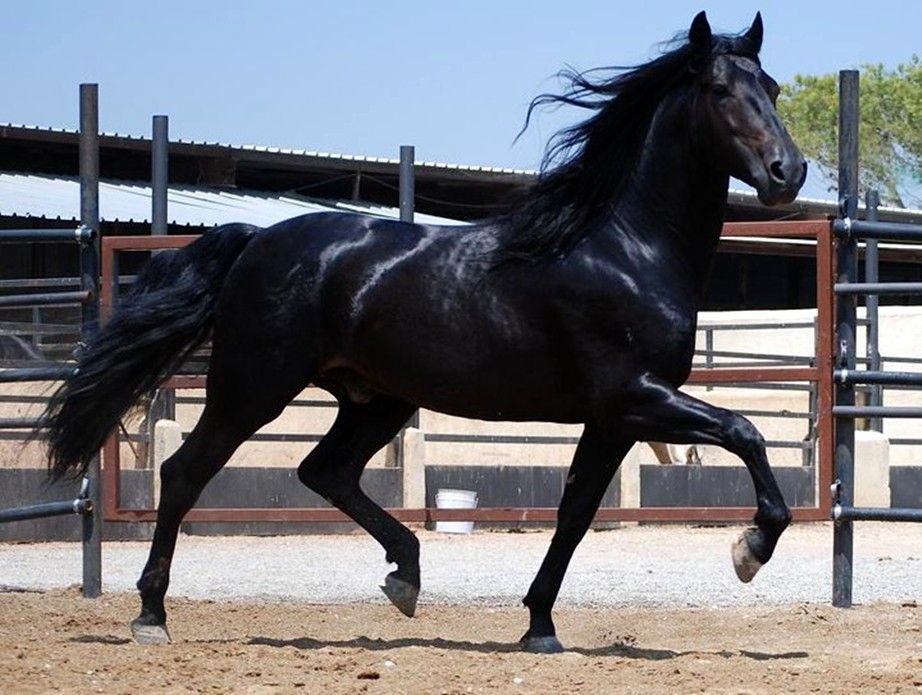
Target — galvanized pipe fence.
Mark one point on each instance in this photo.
(86, 505)
(848, 230)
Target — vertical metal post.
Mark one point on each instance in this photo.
(872, 303)
(89, 280)
(846, 271)
(407, 183)
(709, 352)
(407, 186)
(164, 403)
(159, 174)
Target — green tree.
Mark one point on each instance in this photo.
(890, 129)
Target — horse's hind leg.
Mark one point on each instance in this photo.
(183, 477)
(333, 469)
(234, 410)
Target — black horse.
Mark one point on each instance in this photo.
(576, 306)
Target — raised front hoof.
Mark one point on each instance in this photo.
(744, 560)
(402, 594)
(548, 644)
(144, 633)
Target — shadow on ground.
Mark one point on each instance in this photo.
(628, 651)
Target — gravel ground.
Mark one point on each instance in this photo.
(638, 566)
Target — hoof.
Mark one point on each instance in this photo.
(402, 594)
(744, 562)
(149, 634)
(542, 645)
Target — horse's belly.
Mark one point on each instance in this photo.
(513, 397)
(468, 378)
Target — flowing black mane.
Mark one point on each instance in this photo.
(586, 165)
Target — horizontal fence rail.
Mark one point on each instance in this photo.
(856, 411)
(840, 513)
(45, 299)
(40, 511)
(8, 376)
(80, 235)
(766, 357)
(781, 325)
(867, 229)
(879, 288)
(855, 376)
(19, 423)
(487, 514)
(82, 504)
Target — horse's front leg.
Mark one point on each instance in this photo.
(659, 411)
(597, 458)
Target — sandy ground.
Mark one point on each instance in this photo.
(57, 641)
(644, 609)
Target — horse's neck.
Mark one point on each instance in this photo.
(672, 198)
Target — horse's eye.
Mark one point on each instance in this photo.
(721, 91)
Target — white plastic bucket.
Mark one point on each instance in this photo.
(455, 499)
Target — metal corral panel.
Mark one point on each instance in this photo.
(57, 198)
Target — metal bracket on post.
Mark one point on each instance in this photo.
(846, 226)
(835, 491)
(842, 357)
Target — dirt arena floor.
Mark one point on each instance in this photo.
(57, 641)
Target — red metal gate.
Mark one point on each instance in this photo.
(820, 373)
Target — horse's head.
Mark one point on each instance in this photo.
(735, 108)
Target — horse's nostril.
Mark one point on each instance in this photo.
(777, 171)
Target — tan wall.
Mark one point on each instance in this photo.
(14, 454)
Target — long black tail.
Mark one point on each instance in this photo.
(166, 315)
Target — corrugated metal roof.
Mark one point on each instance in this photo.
(297, 152)
(58, 198)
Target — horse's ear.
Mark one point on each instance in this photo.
(754, 33)
(699, 35)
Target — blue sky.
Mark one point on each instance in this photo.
(363, 77)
